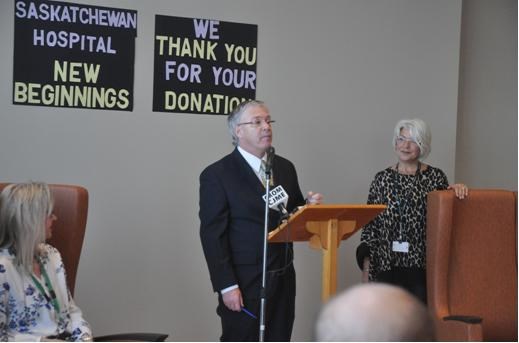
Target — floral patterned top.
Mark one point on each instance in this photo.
(403, 220)
(26, 314)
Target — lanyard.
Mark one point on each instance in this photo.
(52, 298)
(401, 201)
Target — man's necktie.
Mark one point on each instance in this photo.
(263, 175)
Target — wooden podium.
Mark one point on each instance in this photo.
(324, 226)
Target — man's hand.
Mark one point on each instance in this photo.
(233, 300)
(314, 198)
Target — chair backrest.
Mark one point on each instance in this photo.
(71, 208)
(472, 259)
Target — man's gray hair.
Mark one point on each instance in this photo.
(374, 312)
(233, 119)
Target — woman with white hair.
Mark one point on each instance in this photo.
(35, 302)
(392, 248)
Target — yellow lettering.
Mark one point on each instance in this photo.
(74, 72)
(34, 93)
(60, 73)
(91, 72)
(162, 40)
(20, 92)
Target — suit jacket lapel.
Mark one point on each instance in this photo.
(246, 173)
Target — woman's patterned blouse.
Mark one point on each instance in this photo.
(403, 220)
(26, 314)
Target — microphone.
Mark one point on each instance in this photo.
(270, 160)
(278, 200)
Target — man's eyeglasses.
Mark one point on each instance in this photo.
(403, 139)
(256, 122)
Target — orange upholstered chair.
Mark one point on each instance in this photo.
(472, 265)
(71, 209)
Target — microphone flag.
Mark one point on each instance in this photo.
(278, 199)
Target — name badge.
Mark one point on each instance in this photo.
(401, 246)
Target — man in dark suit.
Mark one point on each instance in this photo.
(232, 214)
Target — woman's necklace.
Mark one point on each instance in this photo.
(418, 167)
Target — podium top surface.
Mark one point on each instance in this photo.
(294, 229)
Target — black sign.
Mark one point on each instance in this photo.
(203, 66)
(72, 55)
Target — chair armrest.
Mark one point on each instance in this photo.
(465, 319)
(137, 336)
(459, 328)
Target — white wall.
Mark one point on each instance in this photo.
(337, 76)
(487, 113)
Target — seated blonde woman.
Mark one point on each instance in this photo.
(35, 302)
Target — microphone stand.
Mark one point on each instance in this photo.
(263, 292)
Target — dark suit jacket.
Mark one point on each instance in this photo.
(232, 214)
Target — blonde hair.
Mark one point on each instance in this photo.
(24, 209)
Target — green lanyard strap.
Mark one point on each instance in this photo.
(52, 298)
